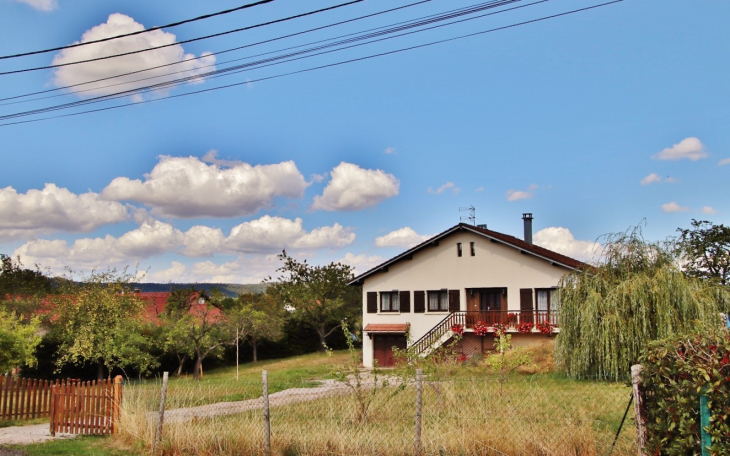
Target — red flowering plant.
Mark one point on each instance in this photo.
(481, 329)
(545, 327)
(499, 329)
(462, 358)
(525, 327)
(458, 329)
(512, 318)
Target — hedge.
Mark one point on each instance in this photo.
(677, 371)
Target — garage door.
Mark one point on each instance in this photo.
(383, 348)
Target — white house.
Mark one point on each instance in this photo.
(465, 275)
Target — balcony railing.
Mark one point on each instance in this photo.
(468, 319)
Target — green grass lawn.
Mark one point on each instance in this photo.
(79, 446)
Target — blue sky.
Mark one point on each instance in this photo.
(594, 122)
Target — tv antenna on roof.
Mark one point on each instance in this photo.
(472, 217)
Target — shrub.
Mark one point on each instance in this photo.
(677, 371)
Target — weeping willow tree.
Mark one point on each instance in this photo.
(635, 294)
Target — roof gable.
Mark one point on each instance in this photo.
(554, 258)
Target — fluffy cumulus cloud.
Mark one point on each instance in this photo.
(516, 195)
(688, 148)
(652, 178)
(202, 241)
(188, 187)
(674, 207)
(353, 188)
(361, 263)
(120, 24)
(41, 5)
(405, 237)
(54, 209)
(708, 210)
(272, 234)
(561, 240)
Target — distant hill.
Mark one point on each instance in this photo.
(230, 289)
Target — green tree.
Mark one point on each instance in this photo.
(196, 325)
(319, 295)
(22, 290)
(637, 294)
(18, 339)
(99, 320)
(705, 251)
(257, 318)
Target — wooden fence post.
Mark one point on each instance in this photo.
(267, 417)
(639, 410)
(418, 449)
(163, 393)
(52, 411)
(116, 404)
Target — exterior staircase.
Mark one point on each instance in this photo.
(438, 335)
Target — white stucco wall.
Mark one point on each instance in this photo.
(437, 267)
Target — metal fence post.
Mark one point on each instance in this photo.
(163, 393)
(639, 409)
(419, 407)
(267, 418)
(706, 439)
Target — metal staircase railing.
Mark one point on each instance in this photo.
(437, 332)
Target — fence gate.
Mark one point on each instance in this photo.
(24, 398)
(86, 407)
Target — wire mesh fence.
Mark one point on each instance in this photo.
(379, 415)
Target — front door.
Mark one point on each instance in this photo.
(383, 348)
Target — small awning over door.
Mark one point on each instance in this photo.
(392, 328)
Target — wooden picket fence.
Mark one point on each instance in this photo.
(86, 407)
(24, 398)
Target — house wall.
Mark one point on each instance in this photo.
(436, 267)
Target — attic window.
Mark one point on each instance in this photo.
(458, 248)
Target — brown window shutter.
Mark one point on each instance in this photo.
(419, 302)
(526, 307)
(405, 301)
(454, 304)
(372, 302)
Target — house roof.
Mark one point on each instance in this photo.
(554, 258)
(387, 327)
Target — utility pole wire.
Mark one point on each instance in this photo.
(174, 24)
(306, 70)
(215, 35)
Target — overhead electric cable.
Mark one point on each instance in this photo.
(344, 62)
(390, 29)
(242, 29)
(281, 59)
(224, 51)
(152, 29)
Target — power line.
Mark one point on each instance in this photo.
(223, 52)
(306, 70)
(242, 29)
(281, 59)
(174, 24)
(364, 35)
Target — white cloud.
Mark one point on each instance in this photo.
(175, 273)
(148, 240)
(404, 237)
(212, 157)
(41, 5)
(480, 189)
(389, 150)
(674, 207)
(54, 209)
(272, 234)
(353, 188)
(652, 178)
(561, 240)
(187, 187)
(202, 241)
(443, 188)
(514, 195)
(708, 210)
(689, 148)
(362, 262)
(120, 24)
(723, 162)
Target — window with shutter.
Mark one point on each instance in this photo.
(405, 301)
(419, 301)
(526, 306)
(454, 301)
(372, 304)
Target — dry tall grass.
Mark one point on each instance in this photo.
(538, 415)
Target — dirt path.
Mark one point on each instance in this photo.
(34, 433)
